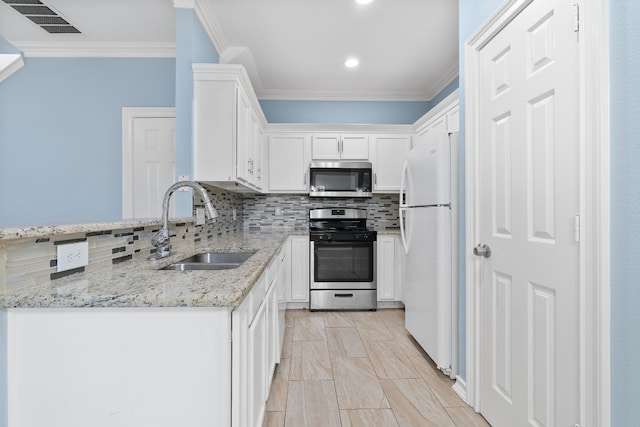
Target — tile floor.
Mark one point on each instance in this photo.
(351, 369)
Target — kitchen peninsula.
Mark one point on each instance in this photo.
(129, 344)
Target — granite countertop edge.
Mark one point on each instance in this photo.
(143, 284)
(54, 230)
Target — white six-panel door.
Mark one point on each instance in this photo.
(528, 172)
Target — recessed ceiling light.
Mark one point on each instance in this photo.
(351, 63)
(363, 1)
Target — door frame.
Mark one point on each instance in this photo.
(594, 302)
(129, 114)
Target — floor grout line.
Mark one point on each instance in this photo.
(387, 317)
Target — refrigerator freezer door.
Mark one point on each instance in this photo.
(426, 177)
(428, 286)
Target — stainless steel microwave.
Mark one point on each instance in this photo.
(339, 179)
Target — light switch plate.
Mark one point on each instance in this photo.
(72, 255)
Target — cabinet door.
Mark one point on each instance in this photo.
(289, 163)
(325, 147)
(299, 290)
(400, 268)
(258, 156)
(389, 156)
(453, 120)
(256, 337)
(273, 350)
(284, 283)
(354, 147)
(244, 137)
(386, 268)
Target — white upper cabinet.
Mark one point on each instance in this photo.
(288, 165)
(339, 147)
(389, 152)
(444, 117)
(227, 128)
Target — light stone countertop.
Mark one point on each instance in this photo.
(53, 230)
(141, 284)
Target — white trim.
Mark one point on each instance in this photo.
(594, 69)
(451, 101)
(460, 388)
(128, 115)
(208, 20)
(9, 64)
(97, 49)
(594, 166)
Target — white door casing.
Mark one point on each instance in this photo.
(591, 311)
(148, 160)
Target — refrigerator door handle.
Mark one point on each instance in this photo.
(403, 189)
(402, 230)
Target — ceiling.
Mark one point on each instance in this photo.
(293, 49)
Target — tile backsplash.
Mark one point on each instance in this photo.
(32, 261)
(291, 211)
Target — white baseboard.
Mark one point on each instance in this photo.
(460, 387)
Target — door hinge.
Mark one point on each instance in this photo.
(577, 228)
(576, 16)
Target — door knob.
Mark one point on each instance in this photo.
(482, 250)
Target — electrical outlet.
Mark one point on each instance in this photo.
(73, 255)
(278, 211)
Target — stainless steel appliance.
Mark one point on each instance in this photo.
(340, 179)
(342, 260)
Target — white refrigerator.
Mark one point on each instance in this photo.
(428, 224)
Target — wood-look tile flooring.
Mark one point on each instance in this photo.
(352, 369)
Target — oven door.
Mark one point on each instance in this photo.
(342, 265)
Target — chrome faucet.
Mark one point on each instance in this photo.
(162, 239)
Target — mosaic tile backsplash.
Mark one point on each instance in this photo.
(32, 261)
(293, 210)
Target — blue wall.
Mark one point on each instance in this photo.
(625, 208)
(192, 45)
(341, 112)
(6, 47)
(61, 135)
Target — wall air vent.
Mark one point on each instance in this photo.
(43, 16)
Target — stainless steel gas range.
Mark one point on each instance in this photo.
(342, 260)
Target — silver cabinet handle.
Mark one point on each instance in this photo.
(482, 250)
(304, 178)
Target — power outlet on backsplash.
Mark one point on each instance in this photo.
(72, 255)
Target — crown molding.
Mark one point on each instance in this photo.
(449, 77)
(301, 95)
(211, 25)
(183, 4)
(97, 49)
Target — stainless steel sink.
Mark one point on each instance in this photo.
(210, 261)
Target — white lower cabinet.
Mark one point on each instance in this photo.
(299, 289)
(257, 333)
(152, 366)
(390, 266)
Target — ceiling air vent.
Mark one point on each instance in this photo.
(43, 16)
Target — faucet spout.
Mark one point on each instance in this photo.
(162, 239)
